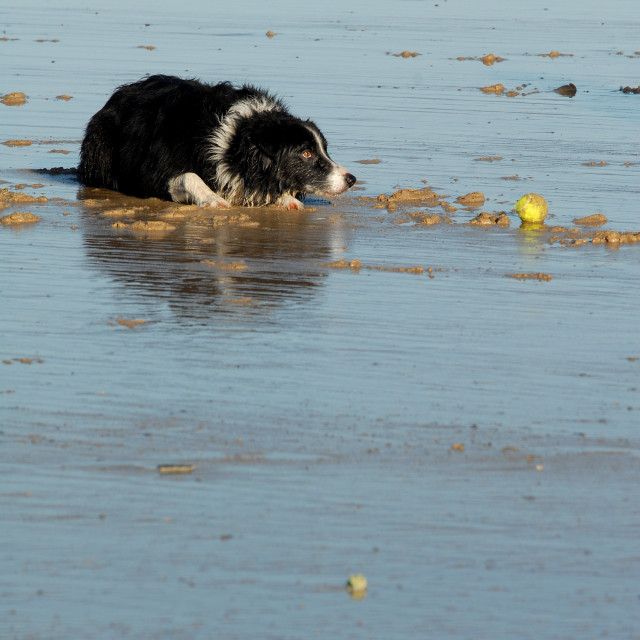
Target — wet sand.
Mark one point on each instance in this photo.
(210, 420)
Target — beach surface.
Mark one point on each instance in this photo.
(210, 419)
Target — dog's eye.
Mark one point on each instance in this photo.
(307, 154)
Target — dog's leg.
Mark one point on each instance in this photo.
(289, 202)
(191, 188)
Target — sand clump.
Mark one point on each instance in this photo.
(343, 264)
(131, 324)
(615, 237)
(24, 361)
(129, 211)
(19, 218)
(494, 88)
(17, 143)
(568, 90)
(355, 266)
(145, 226)
(500, 90)
(575, 237)
(168, 469)
(554, 54)
(485, 219)
(425, 196)
(473, 199)
(594, 220)
(488, 60)
(12, 197)
(234, 265)
(428, 219)
(405, 54)
(15, 99)
(546, 277)
(417, 269)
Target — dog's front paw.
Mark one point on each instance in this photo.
(214, 201)
(289, 202)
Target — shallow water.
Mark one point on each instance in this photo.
(321, 405)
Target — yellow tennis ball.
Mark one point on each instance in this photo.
(532, 208)
(357, 584)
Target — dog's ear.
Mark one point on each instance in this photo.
(267, 139)
(267, 150)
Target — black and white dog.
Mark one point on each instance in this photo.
(212, 145)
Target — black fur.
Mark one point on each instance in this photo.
(153, 130)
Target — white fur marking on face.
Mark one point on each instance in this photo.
(335, 182)
(191, 188)
(320, 145)
(231, 184)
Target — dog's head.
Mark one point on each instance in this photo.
(261, 152)
(297, 151)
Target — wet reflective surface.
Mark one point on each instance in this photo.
(321, 405)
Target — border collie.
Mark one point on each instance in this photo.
(212, 145)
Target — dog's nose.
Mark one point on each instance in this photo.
(350, 179)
